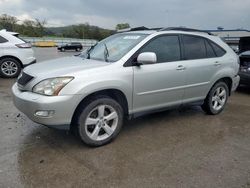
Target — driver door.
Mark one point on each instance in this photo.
(160, 84)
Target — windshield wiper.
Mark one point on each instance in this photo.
(106, 53)
(89, 50)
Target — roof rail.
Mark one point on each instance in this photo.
(184, 29)
(132, 29)
(142, 28)
(164, 29)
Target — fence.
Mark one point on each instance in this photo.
(60, 41)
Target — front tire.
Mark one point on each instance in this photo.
(9, 68)
(216, 99)
(100, 121)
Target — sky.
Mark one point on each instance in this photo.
(200, 14)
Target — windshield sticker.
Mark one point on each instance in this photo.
(135, 37)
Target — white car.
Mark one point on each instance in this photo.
(15, 54)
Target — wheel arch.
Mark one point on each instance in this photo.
(228, 80)
(115, 94)
(13, 57)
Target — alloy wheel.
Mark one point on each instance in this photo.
(101, 122)
(219, 98)
(9, 68)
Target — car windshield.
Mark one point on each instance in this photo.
(114, 47)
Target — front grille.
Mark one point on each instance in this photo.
(24, 79)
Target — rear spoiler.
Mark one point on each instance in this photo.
(10, 32)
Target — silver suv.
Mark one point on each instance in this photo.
(126, 74)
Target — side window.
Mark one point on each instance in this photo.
(210, 51)
(166, 48)
(3, 40)
(218, 50)
(194, 47)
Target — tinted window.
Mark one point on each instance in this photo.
(210, 51)
(194, 47)
(2, 40)
(218, 50)
(166, 48)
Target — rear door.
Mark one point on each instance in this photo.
(161, 84)
(201, 64)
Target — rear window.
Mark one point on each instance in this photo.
(3, 40)
(210, 50)
(217, 49)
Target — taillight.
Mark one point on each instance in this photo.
(24, 45)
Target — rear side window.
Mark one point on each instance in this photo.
(3, 40)
(194, 47)
(218, 50)
(210, 50)
(166, 48)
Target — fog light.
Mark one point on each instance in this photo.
(45, 113)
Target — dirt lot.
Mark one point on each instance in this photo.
(178, 148)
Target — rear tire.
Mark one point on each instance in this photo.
(9, 68)
(216, 99)
(99, 121)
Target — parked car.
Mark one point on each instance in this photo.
(125, 75)
(77, 46)
(15, 54)
(244, 49)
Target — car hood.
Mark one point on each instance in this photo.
(245, 54)
(62, 66)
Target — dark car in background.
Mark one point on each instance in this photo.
(244, 55)
(77, 46)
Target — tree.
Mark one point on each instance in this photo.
(29, 28)
(40, 27)
(37, 28)
(8, 22)
(122, 26)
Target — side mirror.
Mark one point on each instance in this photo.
(147, 58)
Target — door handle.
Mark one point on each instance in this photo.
(217, 63)
(180, 67)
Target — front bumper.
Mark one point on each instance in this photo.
(63, 107)
(32, 62)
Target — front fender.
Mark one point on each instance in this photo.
(121, 79)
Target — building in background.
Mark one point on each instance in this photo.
(231, 37)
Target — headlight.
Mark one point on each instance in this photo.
(51, 86)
